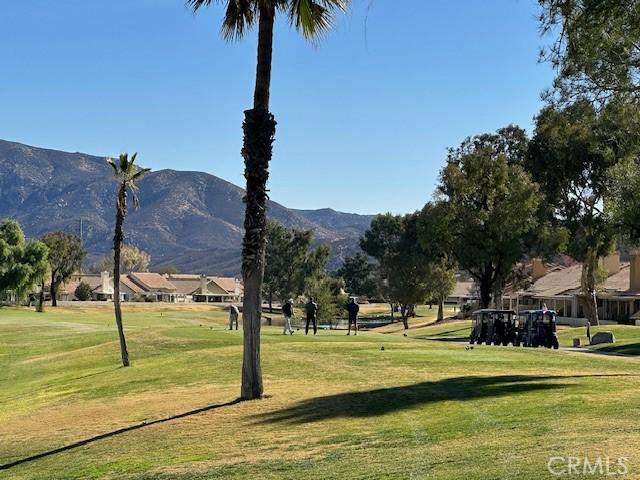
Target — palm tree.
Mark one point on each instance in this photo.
(312, 18)
(128, 175)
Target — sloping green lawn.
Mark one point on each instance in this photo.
(372, 406)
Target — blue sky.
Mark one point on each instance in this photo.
(364, 118)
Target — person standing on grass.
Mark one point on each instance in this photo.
(233, 316)
(312, 313)
(287, 312)
(589, 331)
(353, 309)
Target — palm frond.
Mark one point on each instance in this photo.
(133, 188)
(139, 174)
(313, 18)
(239, 16)
(124, 162)
(195, 5)
(113, 165)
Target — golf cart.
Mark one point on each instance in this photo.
(494, 326)
(538, 328)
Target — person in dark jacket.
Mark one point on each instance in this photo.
(353, 309)
(287, 312)
(312, 313)
(234, 313)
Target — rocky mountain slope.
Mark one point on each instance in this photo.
(192, 220)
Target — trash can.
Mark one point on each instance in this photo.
(576, 341)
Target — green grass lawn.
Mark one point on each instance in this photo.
(338, 407)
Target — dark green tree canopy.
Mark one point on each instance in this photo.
(22, 263)
(596, 47)
(485, 211)
(381, 238)
(570, 156)
(291, 261)
(358, 273)
(66, 254)
(83, 292)
(622, 204)
(408, 274)
(408, 268)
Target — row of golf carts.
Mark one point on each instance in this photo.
(529, 328)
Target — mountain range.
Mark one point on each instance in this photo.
(191, 220)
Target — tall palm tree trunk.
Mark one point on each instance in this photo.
(259, 132)
(118, 237)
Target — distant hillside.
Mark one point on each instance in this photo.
(192, 220)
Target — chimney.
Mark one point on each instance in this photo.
(538, 269)
(203, 285)
(634, 271)
(104, 282)
(611, 263)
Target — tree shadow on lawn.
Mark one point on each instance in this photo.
(371, 403)
(629, 349)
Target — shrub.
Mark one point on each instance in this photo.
(83, 292)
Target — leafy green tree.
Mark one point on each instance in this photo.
(328, 293)
(596, 47)
(22, 263)
(66, 255)
(128, 175)
(380, 241)
(83, 292)
(168, 270)
(403, 265)
(437, 244)
(622, 203)
(312, 18)
(132, 259)
(571, 154)
(290, 262)
(487, 208)
(358, 274)
(440, 283)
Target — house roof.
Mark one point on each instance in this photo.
(464, 289)
(557, 282)
(93, 280)
(186, 286)
(152, 281)
(225, 283)
(134, 287)
(566, 281)
(68, 287)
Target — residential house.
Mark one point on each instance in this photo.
(101, 286)
(201, 288)
(155, 285)
(559, 288)
(174, 288)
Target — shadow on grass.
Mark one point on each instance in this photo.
(443, 339)
(448, 332)
(629, 349)
(371, 403)
(114, 433)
